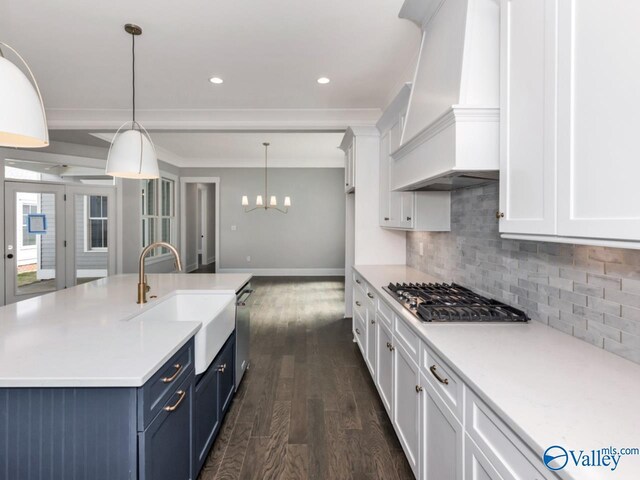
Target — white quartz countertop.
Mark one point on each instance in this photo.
(88, 336)
(549, 387)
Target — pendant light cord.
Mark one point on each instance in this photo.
(133, 76)
(265, 175)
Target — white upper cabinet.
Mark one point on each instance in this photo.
(350, 168)
(419, 211)
(598, 149)
(528, 117)
(569, 153)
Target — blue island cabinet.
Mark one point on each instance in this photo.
(213, 392)
(102, 433)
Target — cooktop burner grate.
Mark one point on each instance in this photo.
(442, 302)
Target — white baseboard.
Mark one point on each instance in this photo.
(287, 272)
(191, 267)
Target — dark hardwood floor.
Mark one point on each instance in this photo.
(211, 268)
(307, 408)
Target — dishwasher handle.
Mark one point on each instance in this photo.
(242, 302)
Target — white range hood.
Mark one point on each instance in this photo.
(450, 138)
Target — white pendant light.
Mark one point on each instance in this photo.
(23, 122)
(132, 154)
(273, 200)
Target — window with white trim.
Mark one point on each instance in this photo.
(158, 212)
(97, 223)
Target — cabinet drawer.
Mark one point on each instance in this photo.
(359, 282)
(371, 294)
(507, 453)
(385, 313)
(476, 465)
(157, 391)
(444, 380)
(359, 302)
(406, 337)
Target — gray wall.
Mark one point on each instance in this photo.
(592, 293)
(311, 235)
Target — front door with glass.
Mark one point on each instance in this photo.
(57, 236)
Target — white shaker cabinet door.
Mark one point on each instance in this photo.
(384, 365)
(406, 405)
(599, 98)
(528, 117)
(441, 444)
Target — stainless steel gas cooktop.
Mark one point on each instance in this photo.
(442, 302)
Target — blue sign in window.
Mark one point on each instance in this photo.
(37, 223)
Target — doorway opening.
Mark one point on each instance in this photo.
(200, 219)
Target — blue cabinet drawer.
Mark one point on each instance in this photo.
(154, 394)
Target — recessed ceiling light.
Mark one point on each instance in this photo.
(216, 80)
(323, 80)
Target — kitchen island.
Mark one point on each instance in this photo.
(93, 385)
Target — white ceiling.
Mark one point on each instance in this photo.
(269, 53)
(225, 149)
(222, 149)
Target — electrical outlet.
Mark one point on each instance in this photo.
(248, 258)
(421, 247)
(233, 228)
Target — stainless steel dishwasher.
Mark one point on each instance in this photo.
(243, 327)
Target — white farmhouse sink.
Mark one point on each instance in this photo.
(215, 311)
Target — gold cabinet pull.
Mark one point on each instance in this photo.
(386, 219)
(171, 408)
(499, 215)
(370, 295)
(357, 281)
(373, 322)
(222, 368)
(438, 377)
(358, 303)
(170, 379)
(388, 346)
(419, 389)
(358, 331)
(391, 348)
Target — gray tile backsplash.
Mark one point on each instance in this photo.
(592, 293)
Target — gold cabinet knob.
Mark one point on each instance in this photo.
(499, 215)
(419, 388)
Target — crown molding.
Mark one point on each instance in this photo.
(215, 119)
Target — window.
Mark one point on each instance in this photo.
(158, 212)
(97, 223)
(28, 239)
